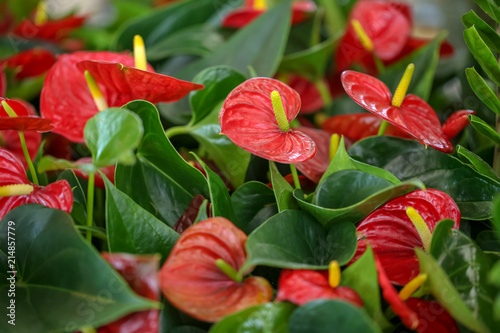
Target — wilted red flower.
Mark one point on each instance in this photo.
(192, 278)
(302, 286)
(17, 190)
(393, 235)
(252, 9)
(248, 118)
(417, 314)
(410, 114)
(67, 101)
(140, 272)
(30, 63)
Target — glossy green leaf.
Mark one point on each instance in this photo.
(490, 7)
(165, 22)
(487, 33)
(342, 161)
(445, 292)
(230, 159)
(219, 81)
(198, 40)
(260, 44)
(407, 159)
(310, 63)
(482, 54)
(488, 240)
(425, 60)
(62, 283)
(440, 234)
(477, 162)
(467, 268)
(362, 277)
(496, 214)
(132, 229)
(325, 316)
(482, 127)
(161, 181)
(264, 318)
(112, 135)
(294, 239)
(357, 211)
(202, 212)
(219, 194)
(283, 191)
(50, 163)
(482, 90)
(249, 200)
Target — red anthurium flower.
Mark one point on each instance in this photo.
(50, 30)
(17, 190)
(25, 120)
(456, 122)
(409, 113)
(108, 171)
(316, 166)
(200, 276)
(395, 229)
(386, 23)
(242, 16)
(309, 95)
(140, 272)
(302, 286)
(417, 314)
(30, 63)
(256, 116)
(3, 82)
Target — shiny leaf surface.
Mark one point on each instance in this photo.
(482, 54)
(482, 90)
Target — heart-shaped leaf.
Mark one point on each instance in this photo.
(293, 239)
(132, 229)
(112, 135)
(68, 272)
(269, 317)
(406, 159)
(161, 181)
(321, 316)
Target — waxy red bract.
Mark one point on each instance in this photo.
(456, 122)
(417, 314)
(414, 116)
(242, 16)
(25, 120)
(3, 82)
(302, 286)
(55, 195)
(247, 118)
(310, 97)
(192, 282)
(140, 272)
(30, 63)
(315, 167)
(52, 30)
(392, 235)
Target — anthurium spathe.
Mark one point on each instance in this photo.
(3, 82)
(29, 63)
(395, 230)
(421, 315)
(302, 286)
(16, 189)
(251, 9)
(256, 116)
(409, 113)
(201, 276)
(315, 167)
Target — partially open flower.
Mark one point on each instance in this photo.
(256, 116)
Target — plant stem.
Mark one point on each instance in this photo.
(26, 153)
(90, 205)
(381, 129)
(324, 92)
(496, 153)
(176, 130)
(295, 176)
(378, 63)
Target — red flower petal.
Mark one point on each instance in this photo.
(357, 126)
(414, 116)
(108, 171)
(309, 94)
(30, 63)
(66, 99)
(315, 167)
(12, 143)
(3, 82)
(386, 23)
(392, 235)
(140, 272)
(456, 122)
(26, 119)
(242, 16)
(52, 30)
(129, 83)
(248, 119)
(192, 282)
(432, 316)
(302, 286)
